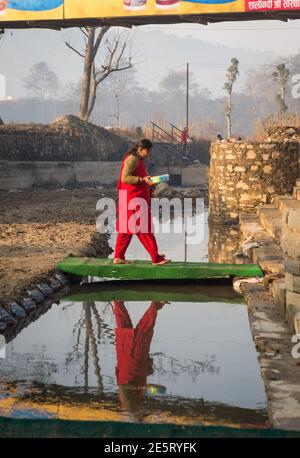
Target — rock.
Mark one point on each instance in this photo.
(6, 317)
(45, 289)
(98, 247)
(62, 279)
(55, 284)
(290, 243)
(293, 219)
(292, 282)
(292, 266)
(278, 289)
(297, 322)
(292, 299)
(36, 295)
(290, 131)
(28, 304)
(251, 154)
(15, 310)
(292, 308)
(239, 169)
(161, 187)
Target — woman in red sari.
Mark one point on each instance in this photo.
(134, 191)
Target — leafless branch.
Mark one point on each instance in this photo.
(74, 49)
(84, 31)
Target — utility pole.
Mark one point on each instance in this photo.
(118, 110)
(187, 95)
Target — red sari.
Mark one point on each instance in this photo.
(134, 219)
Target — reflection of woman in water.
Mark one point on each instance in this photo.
(133, 347)
(34, 5)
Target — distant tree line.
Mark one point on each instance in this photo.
(109, 93)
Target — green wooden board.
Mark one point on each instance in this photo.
(144, 270)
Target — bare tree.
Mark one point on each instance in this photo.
(93, 74)
(41, 82)
(232, 73)
(281, 75)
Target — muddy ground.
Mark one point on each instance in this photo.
(38, 228)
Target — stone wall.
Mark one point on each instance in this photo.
(245, 175)
(290, 245)
(25, 175)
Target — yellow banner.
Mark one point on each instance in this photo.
(75, 9)
(31, 10)
(44, 10)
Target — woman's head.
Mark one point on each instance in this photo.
(142, 149)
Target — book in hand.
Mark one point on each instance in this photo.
(160, 179)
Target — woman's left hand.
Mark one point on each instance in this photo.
(148, 181)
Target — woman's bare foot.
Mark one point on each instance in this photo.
(161, 263)
(121, 261)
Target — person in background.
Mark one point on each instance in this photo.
(136, 183)
(184, 136)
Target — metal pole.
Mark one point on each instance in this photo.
(185, 237)
(187, 95)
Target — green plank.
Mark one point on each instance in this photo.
(144, 270)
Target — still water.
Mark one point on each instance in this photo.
(147, 360)
(152, 353)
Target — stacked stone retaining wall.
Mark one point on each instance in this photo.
(244, 175)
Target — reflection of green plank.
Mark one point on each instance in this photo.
(144, 296)
(144, 270)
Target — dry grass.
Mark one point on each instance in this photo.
(268, 126)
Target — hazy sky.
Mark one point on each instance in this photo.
(158, 49)
(277, 36)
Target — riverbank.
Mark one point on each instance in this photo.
(38, 228)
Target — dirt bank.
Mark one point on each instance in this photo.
(38, 228)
